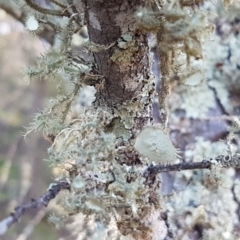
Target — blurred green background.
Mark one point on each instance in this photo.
(23, 173)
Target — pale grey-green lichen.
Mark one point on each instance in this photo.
(197, 102)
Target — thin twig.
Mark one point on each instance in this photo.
(73, 7)
(44, 200)
(59, 4)
(46, 11)
(164, 216)
(153, 170)
(46, 33)
(75, 11)
(224, 161)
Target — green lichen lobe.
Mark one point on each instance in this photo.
(126, 49)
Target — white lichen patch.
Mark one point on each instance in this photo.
(155, 144)
(197, 102)
(205, 150)
(78, 182)
(32, 24)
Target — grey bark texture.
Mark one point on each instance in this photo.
(108, 22)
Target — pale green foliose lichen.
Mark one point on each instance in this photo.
(154, 143)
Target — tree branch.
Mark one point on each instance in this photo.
(46, 11)
(153, 170)
(44, 200)
(46, 33)
(221, 160)
(59, 4)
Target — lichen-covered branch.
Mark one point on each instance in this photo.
(35, 203)
(152, 170)
(221, 161)
(21, 15)
(47, 11)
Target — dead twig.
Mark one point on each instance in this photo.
(221, 160)
(44, 200)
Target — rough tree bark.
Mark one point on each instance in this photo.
(123, 62)
(125, 66)
(126, 92)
